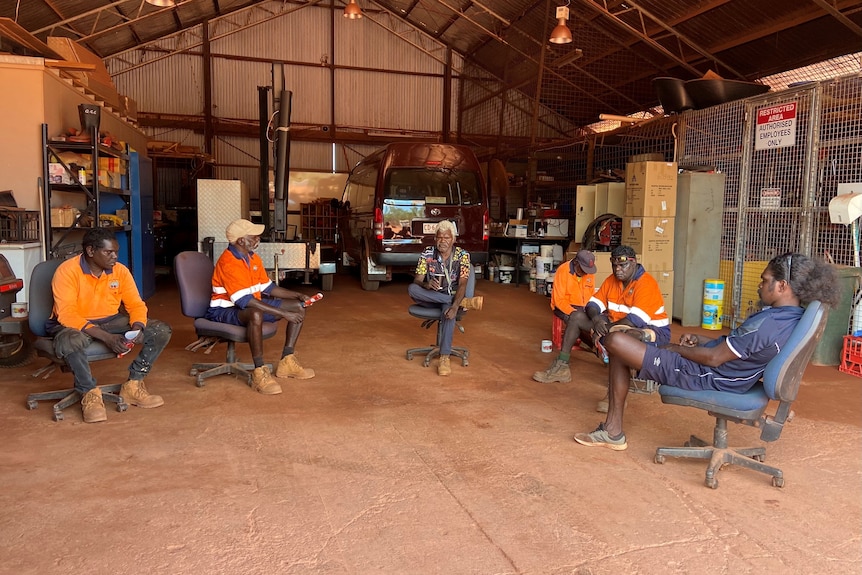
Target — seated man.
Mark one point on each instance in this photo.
(574, 285)
(89, 291)
(244, 295)
(440, 281)
(730, 363)
(630, 301)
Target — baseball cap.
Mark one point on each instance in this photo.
(587, 261)
(241, 228)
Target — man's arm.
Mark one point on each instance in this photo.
(712, 356)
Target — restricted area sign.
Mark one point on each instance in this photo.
(776, 127)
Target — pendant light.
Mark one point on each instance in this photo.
(352, 10)
(561, 33)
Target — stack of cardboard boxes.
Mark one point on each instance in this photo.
(648, 224)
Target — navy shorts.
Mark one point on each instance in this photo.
(670, 368)
(229, 314)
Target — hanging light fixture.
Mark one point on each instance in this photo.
(561, 33)
(162, 3)
(352, 10)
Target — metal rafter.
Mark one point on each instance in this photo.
(839, 16)
(643, 34)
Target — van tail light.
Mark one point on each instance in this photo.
(17, 284)
(486, 226)
(378, 223)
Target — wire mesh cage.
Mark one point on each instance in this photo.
(19, 226)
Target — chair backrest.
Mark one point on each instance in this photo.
(41, 296)
(783, 374)
(471, 282)
(194, 273)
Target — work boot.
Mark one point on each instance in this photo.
(134, 392)
(289, 367)
(444, 368)
(475, 303)
(559, 371)
(262, 382)
(93, 407)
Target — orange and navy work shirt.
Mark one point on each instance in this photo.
(640, 302)
(238, 278)
(81, 299)
(570, 290)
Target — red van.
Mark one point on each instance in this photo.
(395, 197)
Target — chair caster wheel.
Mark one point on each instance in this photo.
(778, 482)
(409, 356)
(659, 459)
(58, 416)
(193, 372)
(122, 407)
(199, 381)
(32, 404)
(711, 482)
(465, 363)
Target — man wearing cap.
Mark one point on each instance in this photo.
(244, 295)
(574, 285)
(629, 300)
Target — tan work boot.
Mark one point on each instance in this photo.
(93, 407)
(262, 382)
(289, 367)
(444, 368)
(472, 302)
(559, 371)
(134, 392)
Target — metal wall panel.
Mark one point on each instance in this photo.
(393, 101)
(173, 85)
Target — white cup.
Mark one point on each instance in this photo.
(547, 346)
(19, 309)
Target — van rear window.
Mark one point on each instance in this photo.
(449, 187)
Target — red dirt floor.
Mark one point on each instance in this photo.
(377, 465)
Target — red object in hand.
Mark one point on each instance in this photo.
(312, 300)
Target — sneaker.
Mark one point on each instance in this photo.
(559, 371)
(262, 382)
(601, 352)
(93, 407)
(601, 438)
(289, 367)
(475, 303)
(444, 368)
(135, 393)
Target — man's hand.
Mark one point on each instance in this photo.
(600, 325)
(688, 340)
(451, 312)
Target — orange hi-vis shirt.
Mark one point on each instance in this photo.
(236, 279)
(640, 301)
(571, 291)
(80, 298)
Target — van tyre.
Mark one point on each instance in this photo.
(367, 284)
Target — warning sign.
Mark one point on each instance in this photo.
(776, 127)
(770, 197)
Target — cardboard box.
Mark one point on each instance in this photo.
(57, 174)
(651, 189)
(611, 198)
(123, 215)
(652, 238)
(518, 231)
(665, 285)
(63, 217)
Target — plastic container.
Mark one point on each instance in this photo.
(713, 304)
(544, 266)
(506, 274)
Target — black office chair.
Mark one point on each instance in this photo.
(194, 272)
(41, 307)
(430, 316)
(780, 383)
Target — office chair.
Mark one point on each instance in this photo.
(780, 382)
(41, 307)
(431, 316)
(194, 272)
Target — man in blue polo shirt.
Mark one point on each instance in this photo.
(730, 363)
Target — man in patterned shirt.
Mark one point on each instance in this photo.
(441, 281)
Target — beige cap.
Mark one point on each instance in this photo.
(241, 228)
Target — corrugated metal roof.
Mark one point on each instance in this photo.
(624, 43)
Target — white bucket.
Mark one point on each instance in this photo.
(544, 266)
(547, 347)
(549, 286)
(506, 273)
(19, 309)
(546, 251)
